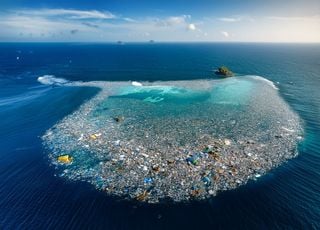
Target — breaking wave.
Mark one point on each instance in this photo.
(271, 83)
(52, 80)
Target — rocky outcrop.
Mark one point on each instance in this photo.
(224, 71)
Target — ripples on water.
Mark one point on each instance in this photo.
(31, 197)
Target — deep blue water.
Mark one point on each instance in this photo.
(33, 198)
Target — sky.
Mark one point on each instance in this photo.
(162, 20)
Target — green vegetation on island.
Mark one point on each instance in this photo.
(224, 71)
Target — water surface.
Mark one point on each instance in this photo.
(32, 197)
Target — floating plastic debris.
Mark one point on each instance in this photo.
(227, 142)
(147, 180)
(193, 159)
(119, 119)
(142, 196)
(156, 168)
(206, 180)
(95, 136)
(65, 159)
(117, 142)
(202, 137)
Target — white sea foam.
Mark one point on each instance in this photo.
(51, 80)
(168, 87)
(271, 83)
(135, 83)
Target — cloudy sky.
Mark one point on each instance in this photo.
(165, 20)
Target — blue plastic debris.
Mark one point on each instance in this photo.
(194, 159)
(148, 180)
(206, 180)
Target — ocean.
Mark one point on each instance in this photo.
(34, 197)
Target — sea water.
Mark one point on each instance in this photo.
(33, 197)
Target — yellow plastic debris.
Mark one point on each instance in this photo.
(143, 196)
(65, 159)
(95, 136)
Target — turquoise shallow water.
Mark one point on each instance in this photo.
(160, 93)
(32, 197)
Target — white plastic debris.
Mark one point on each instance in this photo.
(227, 142)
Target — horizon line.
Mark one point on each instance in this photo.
(121, 42)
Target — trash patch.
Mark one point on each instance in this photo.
(176, 140)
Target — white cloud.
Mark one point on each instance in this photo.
(238, 18)
(172, 21)
(31, 23)
(39, 27)
(225, 34)
(46, 27)
(177, 22)
(94, 25)
(129, 20)
(90, 24)
(230, 19)
(72, 14)
(191, 27)
(301, 18)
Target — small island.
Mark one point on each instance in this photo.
(224, 71)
